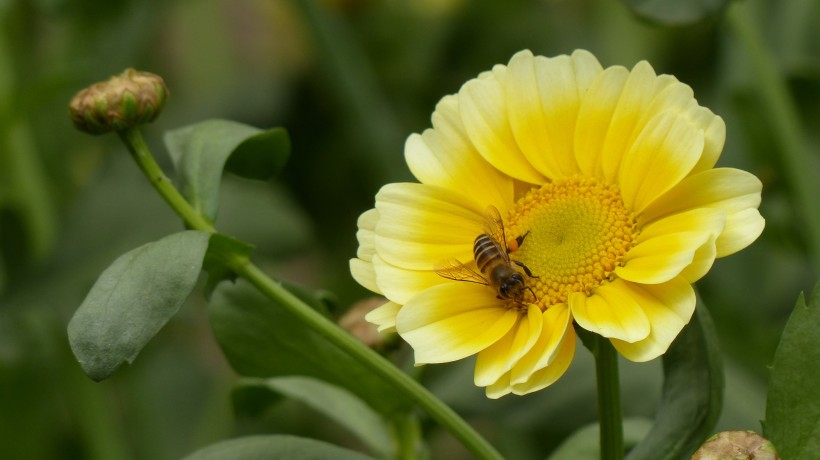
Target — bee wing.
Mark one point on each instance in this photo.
(494, 226)
(455, 270)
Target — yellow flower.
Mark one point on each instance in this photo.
(611, 172)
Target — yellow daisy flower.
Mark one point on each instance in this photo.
(604, 180)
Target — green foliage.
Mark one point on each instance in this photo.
(201, 151)
(676, 12)
(692, 393)
(333, 402)
(793, 405)
(260, 339)
(133, 299)
(272, 447)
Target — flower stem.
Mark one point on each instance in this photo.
(609, 400)
(439, 411)
(785, 122)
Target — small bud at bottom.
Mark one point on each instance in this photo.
(127, 100)
(736, 445)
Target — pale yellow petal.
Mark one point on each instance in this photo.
(742, 229)
(663, 154)
(662, 258)
(586, 68)
(420, 225)
(499, 358)
(444, 156)
(610, 312)
(384, 316)
(483, 109)
(669, 307)
(543, 105)
(452, 321)
(594, 117)
(702, 220)
(557, 324)
(499, 388)
(364, 273)
(366, 234)
(730, 189)
(702, 261)
(550, 374)
(637, 94)
(399, 284)
(714, 132)
(736, 192)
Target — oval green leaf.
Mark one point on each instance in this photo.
(133, 299)
(584, 443)
(335, 403)
(262, 339)
(274, 447)
(677, 12)
(201, 151)
(793, 403)
(692, 393)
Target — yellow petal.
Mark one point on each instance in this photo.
(702, 220)
(669, 307)
(610, 312)
(638, 92)
(499, 388)
(586, 68)
(548, 375)
(662, 258)
(714, 132)
(420, 225)
(736, 192)
(399, 284)
(730, 189)
(742, 229)
(364, 274)
(452, 321)
(557, 322)
(366, 234)
(702, 261)
(594, 118)
(484, 113)
(444, 156)
(663, 154)
(384, 316)
(499, 358)
(543, 105)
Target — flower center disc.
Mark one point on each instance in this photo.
(579, 232)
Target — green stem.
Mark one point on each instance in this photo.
(609, 400)
(785, 123)
(439, 411)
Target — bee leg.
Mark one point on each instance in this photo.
(517, 243)
(533, 293)
(526, 269)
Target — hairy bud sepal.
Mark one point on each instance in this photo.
(124, 101)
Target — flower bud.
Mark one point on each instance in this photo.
(736, 445)
(130, 99)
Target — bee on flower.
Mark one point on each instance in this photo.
(610, 174)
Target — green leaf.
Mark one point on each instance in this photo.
(200, 153)
(584, 443)
(793, 404)
(221, 250)
(274, 447)
(337, 404)
(677, 12)
(261, 339)
(692, 393)
(133, 299)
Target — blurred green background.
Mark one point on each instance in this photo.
(349, 79)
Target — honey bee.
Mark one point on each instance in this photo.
(492, 258)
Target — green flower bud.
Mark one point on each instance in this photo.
(130, 99)
(736, 445)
